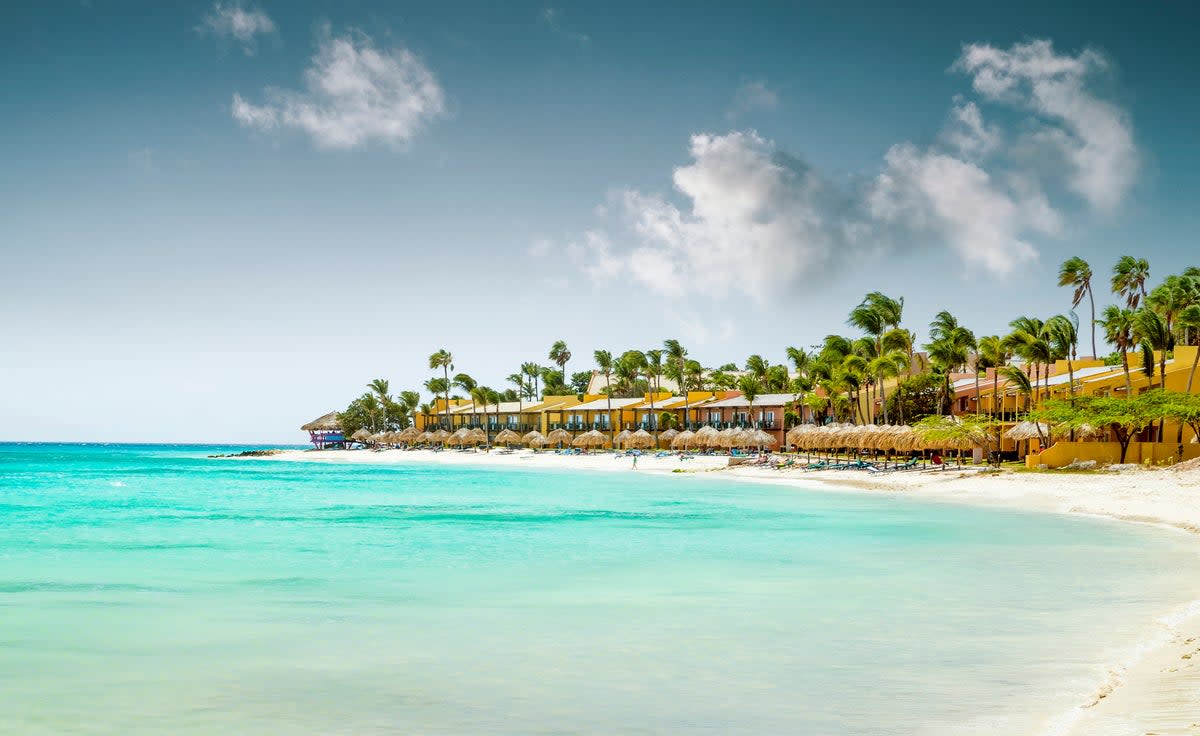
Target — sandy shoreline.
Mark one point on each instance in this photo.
(1156, 691)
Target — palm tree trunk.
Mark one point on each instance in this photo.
(612, 440)
(1092, 300)
(446, 375)
(883, 399)
(1128, 382)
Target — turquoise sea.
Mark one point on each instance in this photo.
(148, 589)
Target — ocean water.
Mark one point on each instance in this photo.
(150, 589)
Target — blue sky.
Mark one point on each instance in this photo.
(220, 220)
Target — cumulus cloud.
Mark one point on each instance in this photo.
(236, 22)
(354, 94)
(755, 221)
(1094, 135)
(748, 219)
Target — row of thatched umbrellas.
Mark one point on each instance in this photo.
(897, 438)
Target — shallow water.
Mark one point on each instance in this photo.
(148, 589)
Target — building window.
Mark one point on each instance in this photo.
(768, 418)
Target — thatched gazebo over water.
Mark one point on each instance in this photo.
(325, 431)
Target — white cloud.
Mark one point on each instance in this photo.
(553, 18)
(756, 221)
(932, 193)
(968, 134)
(540, 247)
(234, 21)
(751, 96)
(1095, 136)
(354, 94)
(748, 220)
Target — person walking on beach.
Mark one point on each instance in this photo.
(636, 455)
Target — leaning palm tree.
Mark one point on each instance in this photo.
(468, 385)
(993, 354)
(444, 360)
(1118, 324)
(1076, 272)
(950, 348)
(409, 400)
(1062, 334)
(1151, 330)
(749, 386)
(604, 361)
(1129, 279)
(676, 355)
(560, 355)
(481, 395)
(1190, 318)
(889, 365)
(518, 380)
(379, 387)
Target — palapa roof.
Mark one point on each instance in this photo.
(601, 404)
(761, 400)
(327, 423)
(590, 439)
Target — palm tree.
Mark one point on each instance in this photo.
(604, 361)
(480, 394)
(654, 369)
(560, 355)
(444, 360)
(677, 358)
(437, 386)
(1151, 330)
(379, 387)
(1189, 318)
(758, 366)
(533, 371)
(1129, 279)
(409, 400)
(1028, 340)
(950, 347)
(890, 365)
(467, 384)
(1062, 334)
(749, 386)
(1118, 324)
(1076, 272)
(518, 379)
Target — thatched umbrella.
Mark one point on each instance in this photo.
(507, 437)
(534, 439)
(361, 435)
(623, 437)
(704, 436)
(439, 435)
(1027, 430)
(640, 439)
(476, 437)
(759, 438)
(668, 436)
(409, 434)
(558, 437)
(594, 438)
(683, 440)
(726, 438)
(458, 438)
(424, 437)
(327, 423)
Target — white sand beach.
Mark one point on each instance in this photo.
(1155, 691)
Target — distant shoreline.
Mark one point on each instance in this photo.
(1157, 689)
